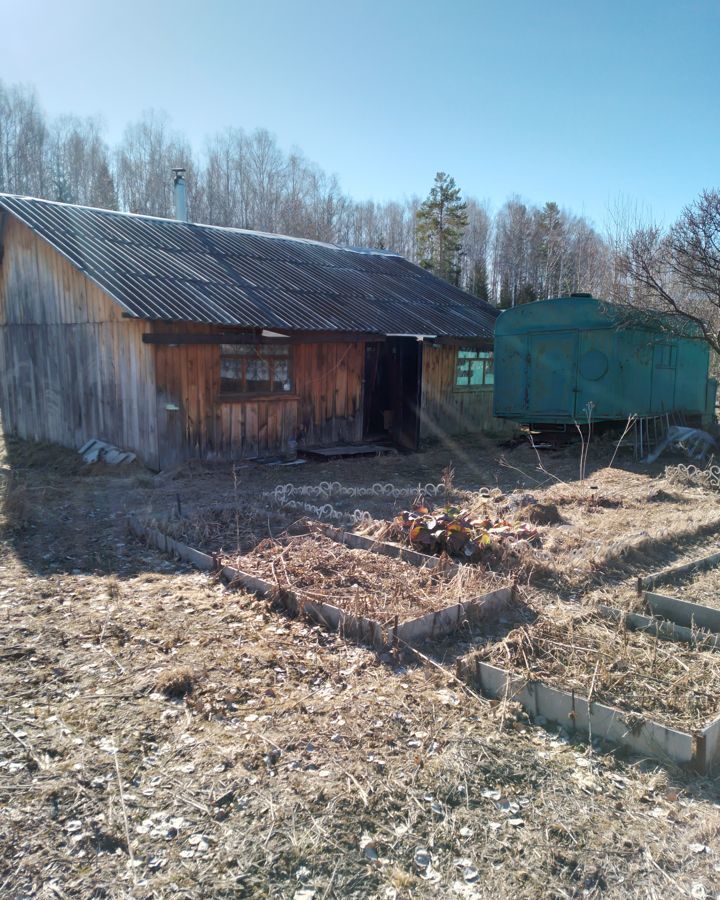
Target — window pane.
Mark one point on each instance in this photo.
(474, 368)
(281, 377)
(231, 374)
(477, 372)
(255, 368)
(257, 375)
(463, 372)
(231, 368)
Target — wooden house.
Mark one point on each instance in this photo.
(177, 340)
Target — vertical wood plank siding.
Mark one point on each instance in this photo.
(193, 421)
(72, 367)
(446, 411)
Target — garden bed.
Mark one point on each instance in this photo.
(362, 582)
(688, 593)
(629, 670)
(442, 614)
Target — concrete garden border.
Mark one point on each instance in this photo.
(684, 613)
(380, 635)
(698, 750)
(663, 627)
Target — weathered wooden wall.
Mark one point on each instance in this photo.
(446, 411)
(194, 421)
(71, 367)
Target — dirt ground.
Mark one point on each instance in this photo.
(161, 735)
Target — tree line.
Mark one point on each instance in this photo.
(516, 254)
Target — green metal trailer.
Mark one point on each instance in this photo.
(553, 357)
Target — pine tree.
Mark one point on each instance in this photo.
(441, 221)
(104, 194)
(479, 280)
(526, 294)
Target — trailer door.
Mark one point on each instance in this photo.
(510, 393)
(665, 353)
(598, 377)
(552, 372)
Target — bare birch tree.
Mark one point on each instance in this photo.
(23, 143)
(676, 272)
(144, 158)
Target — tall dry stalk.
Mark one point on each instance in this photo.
(632, 419)
(236, 496)
(447, 478)
(585, 444)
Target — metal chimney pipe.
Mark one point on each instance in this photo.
(180, 195)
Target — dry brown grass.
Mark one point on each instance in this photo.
(291, 752)
(175, 682)
(16, 508)
(544, 514)
(294, 748)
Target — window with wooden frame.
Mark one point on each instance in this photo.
(250, 369)
(473, 369)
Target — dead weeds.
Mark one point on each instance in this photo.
(362, 582)
(299, 763)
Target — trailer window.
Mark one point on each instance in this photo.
(473, 369)
(255, 369)
(665, 356)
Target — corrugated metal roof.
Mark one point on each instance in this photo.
(163, 269)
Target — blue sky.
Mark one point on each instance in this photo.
(578, 102)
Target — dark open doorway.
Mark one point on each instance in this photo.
(392, 391)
